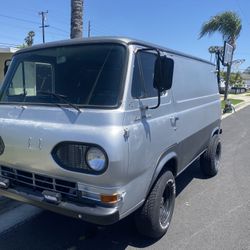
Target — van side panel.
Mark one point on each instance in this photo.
(197, 106)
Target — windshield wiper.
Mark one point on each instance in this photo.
(60, 97)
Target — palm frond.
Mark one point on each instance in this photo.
(227, 23)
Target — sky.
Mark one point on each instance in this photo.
(173, 24)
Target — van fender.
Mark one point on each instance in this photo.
(163, 160)
(216, 130)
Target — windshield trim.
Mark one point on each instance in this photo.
(10, 74)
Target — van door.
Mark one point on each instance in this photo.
(150, 131)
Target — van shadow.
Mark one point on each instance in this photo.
(192, 172)
(53, 231)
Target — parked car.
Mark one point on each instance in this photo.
(99, 128)
(238, 90)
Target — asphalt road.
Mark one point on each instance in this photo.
(209, 213)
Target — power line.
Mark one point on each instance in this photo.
(43, 26)
(19, 19)
(55, 28)
(33, 22)
(23, 27)
(8, 37)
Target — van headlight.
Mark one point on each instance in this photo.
(96, 159)
(80, 157)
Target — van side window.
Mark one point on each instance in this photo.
(143, 76)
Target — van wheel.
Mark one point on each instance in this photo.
(154, 217)
(210, 160)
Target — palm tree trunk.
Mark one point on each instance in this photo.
(76, 19)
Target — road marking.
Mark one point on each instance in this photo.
(17, 216)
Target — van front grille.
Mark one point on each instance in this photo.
(38, 182)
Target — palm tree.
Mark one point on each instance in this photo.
(76, 19)
(29, 39)
(229, 25)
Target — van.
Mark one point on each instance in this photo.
(99, 128)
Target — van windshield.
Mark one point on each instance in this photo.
(85, 75)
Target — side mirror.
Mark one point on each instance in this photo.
(163, 73)
(6, 65)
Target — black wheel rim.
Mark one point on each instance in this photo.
(166, 206)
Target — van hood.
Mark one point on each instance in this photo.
(30, 133)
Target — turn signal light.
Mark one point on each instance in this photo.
(110, 199)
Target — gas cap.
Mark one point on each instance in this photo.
(1, 146)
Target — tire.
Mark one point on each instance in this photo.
(210, 160)
(153, 219)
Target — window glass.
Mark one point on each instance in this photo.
(29, 78)
(143, 76)
(16, 86)
(83, 75)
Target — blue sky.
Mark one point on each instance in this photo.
(174, 24)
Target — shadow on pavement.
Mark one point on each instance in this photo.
(53, 231)
(192, 172)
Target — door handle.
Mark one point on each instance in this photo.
(173, 120)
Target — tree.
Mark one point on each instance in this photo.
(235, 78)
(76, 19)
(29, 39)
(229, 25)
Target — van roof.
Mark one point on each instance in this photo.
(109, 39)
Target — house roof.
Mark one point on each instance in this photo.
(8, 50)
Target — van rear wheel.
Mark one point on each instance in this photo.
(210, 160)
(154, 217)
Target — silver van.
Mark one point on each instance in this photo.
(99, 128)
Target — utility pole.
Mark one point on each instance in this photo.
(43, 26)
(89, 28)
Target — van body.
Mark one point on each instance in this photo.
(81, 133)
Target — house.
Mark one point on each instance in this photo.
(5, 53)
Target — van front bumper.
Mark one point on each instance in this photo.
(89, 213)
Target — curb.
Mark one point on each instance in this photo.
(237, 108)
